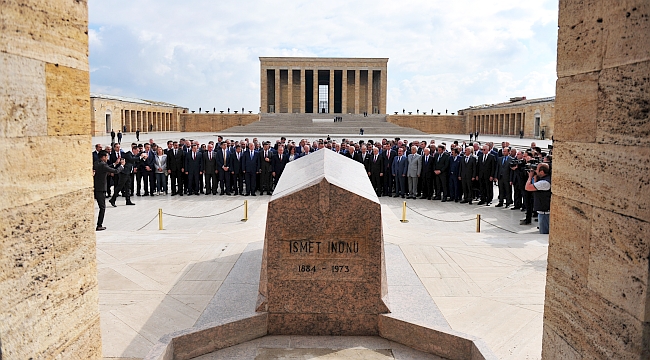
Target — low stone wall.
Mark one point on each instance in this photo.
(431, 124)
(214, 122)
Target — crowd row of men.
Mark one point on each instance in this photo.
(462, 173)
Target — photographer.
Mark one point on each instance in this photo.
(518, 179)
(539, 183)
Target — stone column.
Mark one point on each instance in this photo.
(330, 100)
(278, 93)
(597, 301)
(302, 91)
(315, 91)
(264, 88)
(369, 92)
(290, 90)
(344, 91)
(383, 89)
(357, 84)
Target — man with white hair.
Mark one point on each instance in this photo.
(413, 172)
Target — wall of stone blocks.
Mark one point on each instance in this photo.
(214, 122)
(48, 277)
(100, 107)
(597, 302)
(431, 124)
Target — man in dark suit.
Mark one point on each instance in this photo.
(100, 170)
(468, 172)
(175, 167)
(399, 169)
(193, 169)
(376, 170)
(113, 160)
(266, 169)
(487, 167)
(211, 170)
(427, 174)
(388, 155)
(455, 192)
(251, 166)
(236, 170)
(278, 163)
(441, 174)
(364, 158)
(98, 148)
(223, 167)
(131, 160)
(504, 178)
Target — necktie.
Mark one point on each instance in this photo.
(174, 152)
(280, 157)
(251, 156)
(224, 156)
(467, 160)
(237, 156)
(193, 156)
(210, 155)
(484, 158)
(504, 161)
(375, 158)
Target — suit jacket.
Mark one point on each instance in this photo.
(131, 161)
(365, 161)
(101, 169)
(278, 165)
(454, 166)
(389, 156)
(427, 166)
(235, 165)
(194, 165)
(376, 167)
(264, 165)
(503, 168)
(175, 163)
(251, 164)
(441, 162)
(488, 167)
(399, 167)
(414, 165)
(468, 168)
(210, 165)
(221, 161)
(113, 158)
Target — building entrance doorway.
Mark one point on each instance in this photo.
(323, 99)
(537, 124)
(109, 126)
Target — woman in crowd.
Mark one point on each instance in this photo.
(161, 171)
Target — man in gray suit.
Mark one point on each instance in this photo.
(413, 172)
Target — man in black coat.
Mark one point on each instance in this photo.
(100, 170)
(468, 172)
(487, 167)
(175, 167)
(388, 155)
(131, 160)
(441, 174)
(376, 170)
(211, 170)
(266, 169)
(426, 177)
(236, 171)
(278, 163)
(223, 168)
(193, 169)
(251, 167)
(504, 178)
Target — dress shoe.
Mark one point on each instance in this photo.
(457, 200)
(524, 222)
(268, 193)
(470, 203)
(488, 204)
(152, 194)
(464, 201)
(429, 198)
(253, 194)
(515, 208)
(138, 194)
(481, 203)
(146, 194)
(112, 202)
(173, 194)
(499, 205)
(403, 197)
(130, 203)
(228, 194)
(437, 198)
(444, 200)
(100, 228)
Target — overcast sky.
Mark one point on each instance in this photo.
(442, 54)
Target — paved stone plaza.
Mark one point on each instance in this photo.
(489, 284)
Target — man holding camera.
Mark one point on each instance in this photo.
(100, 170)
(539, 183)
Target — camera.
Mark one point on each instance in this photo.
(532, 165)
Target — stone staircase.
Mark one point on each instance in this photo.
(305, 124)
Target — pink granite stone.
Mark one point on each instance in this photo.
(323, 267)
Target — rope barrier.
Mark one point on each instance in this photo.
(145, 225)
(499, 227)
(449, 221)
(204, 216)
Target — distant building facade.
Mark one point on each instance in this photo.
(532, 116)
(323, 85)
(109, 112)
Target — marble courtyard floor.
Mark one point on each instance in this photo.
(151, 282)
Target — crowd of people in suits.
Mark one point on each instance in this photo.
(464, 173)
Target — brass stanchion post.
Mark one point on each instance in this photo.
(478, 223)
(160, 224)
(404, 213)
(245, 211)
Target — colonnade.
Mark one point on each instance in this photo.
(500, 124)
(148, 121)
